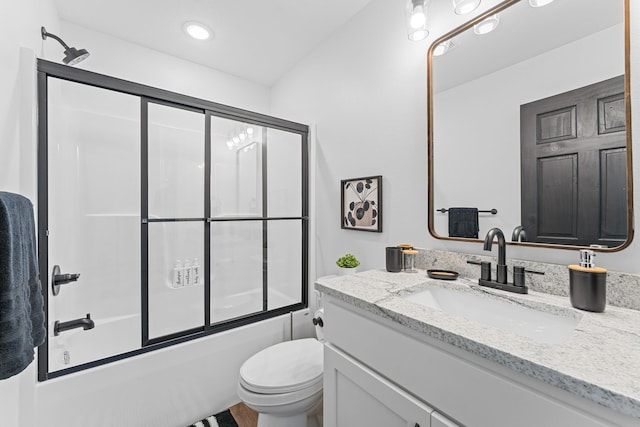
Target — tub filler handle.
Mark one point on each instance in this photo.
(84, 323)
(58, 279)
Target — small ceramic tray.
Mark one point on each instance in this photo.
(442, 274)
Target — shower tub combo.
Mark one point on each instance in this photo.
(178, 219)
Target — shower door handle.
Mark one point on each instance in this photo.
(58, 279)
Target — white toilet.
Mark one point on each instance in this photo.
(283, 383)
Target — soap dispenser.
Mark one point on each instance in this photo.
(588, 283)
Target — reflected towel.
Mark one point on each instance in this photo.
(463, 222)
(21, 304)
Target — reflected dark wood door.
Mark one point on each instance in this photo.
(574, 166)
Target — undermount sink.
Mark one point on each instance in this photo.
(544, 327)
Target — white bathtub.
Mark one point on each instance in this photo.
(170, 387)
(112, 336)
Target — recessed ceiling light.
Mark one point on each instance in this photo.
(197, 30)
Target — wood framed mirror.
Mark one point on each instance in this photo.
(530, 125)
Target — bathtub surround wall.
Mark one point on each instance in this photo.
(623, 289)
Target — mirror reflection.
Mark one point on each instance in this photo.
(528, 125)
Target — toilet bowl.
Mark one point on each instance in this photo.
(283, 383)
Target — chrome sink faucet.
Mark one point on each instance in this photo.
(501, 269)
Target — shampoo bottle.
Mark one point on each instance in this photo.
(588, 283)
(178, 274)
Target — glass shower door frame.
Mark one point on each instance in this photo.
(148, 94)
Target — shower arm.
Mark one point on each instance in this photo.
(45, 34)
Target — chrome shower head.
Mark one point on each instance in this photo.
(71, 55)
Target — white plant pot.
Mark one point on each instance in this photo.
(343, 271)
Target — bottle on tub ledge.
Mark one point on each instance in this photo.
(188, 279)
(185, 274)
(195, 272)
(588, 283)
(178, 275)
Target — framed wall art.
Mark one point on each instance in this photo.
(361, 204)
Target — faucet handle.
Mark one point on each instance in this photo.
(485, 269)
(519, 277)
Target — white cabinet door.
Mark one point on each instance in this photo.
(439, 420)
(355, 396)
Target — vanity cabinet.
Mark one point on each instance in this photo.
(380, 373)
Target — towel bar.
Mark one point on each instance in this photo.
(491, 211)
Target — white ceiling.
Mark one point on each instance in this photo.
(258, 40)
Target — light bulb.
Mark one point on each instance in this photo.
(539, 3)
(418, 35)
(418, 18)
(236, 140)
(442, 48)
(486, 26)
(243, 136)
(229, 144)
(249, 131)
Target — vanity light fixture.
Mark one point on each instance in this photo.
(197, 30)
(71, 55)
(539, 3)
(487, 25)
(241, 135)
(416, 13)
(462, 7)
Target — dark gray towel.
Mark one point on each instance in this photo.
(463, 222)
(21, 305)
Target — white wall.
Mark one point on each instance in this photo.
(365, 89)
(118, 58)
(20, 24)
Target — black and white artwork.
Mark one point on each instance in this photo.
(361, 204)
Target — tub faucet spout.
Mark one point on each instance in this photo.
(501, 269)
(84, 323)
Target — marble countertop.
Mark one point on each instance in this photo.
(599, 360)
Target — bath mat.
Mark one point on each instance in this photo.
(223, 419)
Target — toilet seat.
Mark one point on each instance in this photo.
(254, 400)
(292, 369)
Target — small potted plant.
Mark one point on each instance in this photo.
(347, 264)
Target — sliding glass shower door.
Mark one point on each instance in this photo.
(93, 222)
(162, 218)
(175, 203)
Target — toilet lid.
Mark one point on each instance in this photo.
(285, 367)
